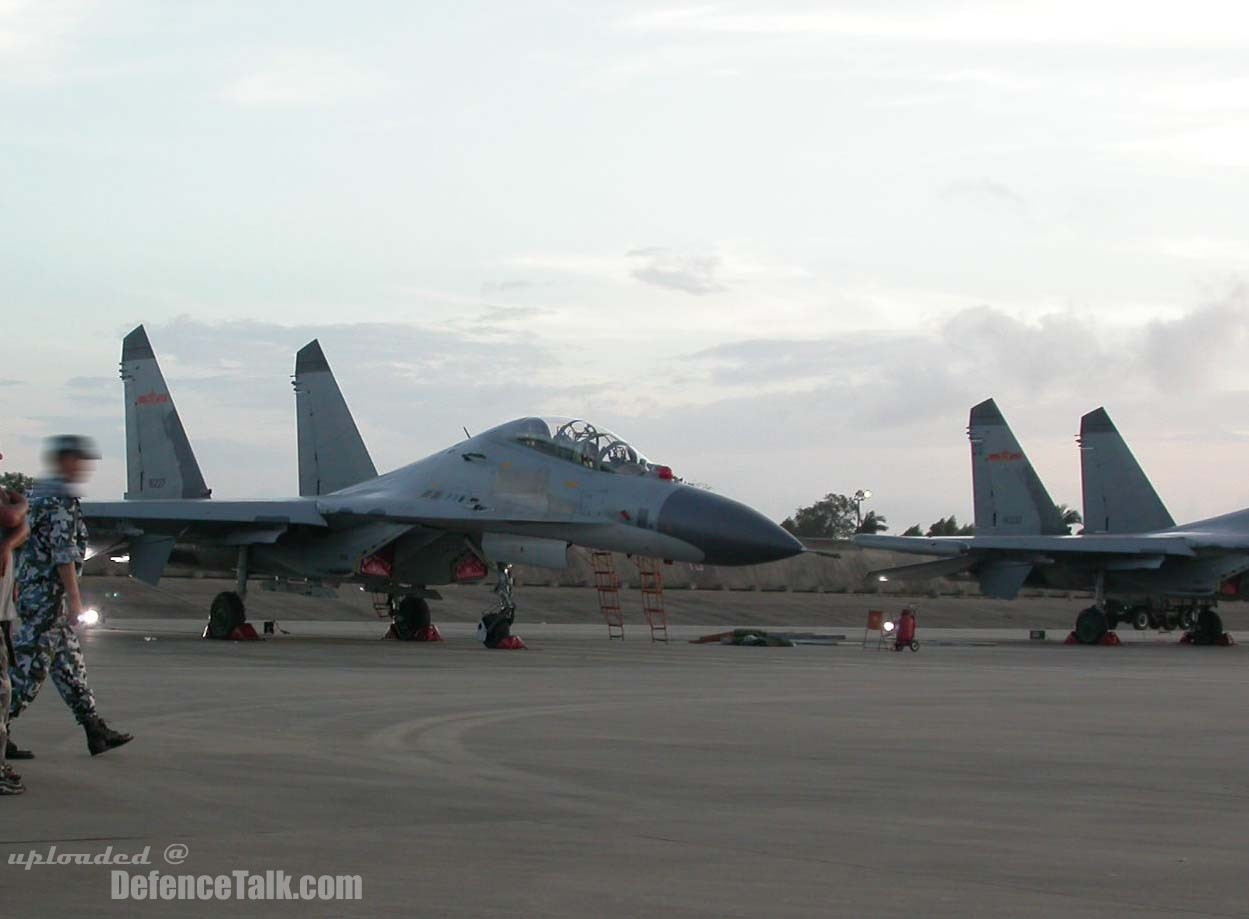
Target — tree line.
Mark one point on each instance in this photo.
(840, 516)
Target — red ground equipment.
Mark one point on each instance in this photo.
(906, 631)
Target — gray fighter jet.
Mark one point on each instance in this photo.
(520, 492)
(1142, 568)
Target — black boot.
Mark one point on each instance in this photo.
(10, 782)
(12, 752)
(101, 738)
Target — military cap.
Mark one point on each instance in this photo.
(71, 443)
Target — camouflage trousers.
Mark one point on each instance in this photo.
(46, 644)
(6, 690)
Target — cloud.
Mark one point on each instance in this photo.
(35, 37)
(1026, 22)
(505, 287)
(1191, 352)
(306, 78)
(6, 383)
(984, 191)
(877, 381)
(691, 274)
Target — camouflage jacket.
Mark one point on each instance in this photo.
(58, 536)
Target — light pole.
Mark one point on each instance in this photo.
(863, 494)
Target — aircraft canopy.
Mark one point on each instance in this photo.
(580, 442)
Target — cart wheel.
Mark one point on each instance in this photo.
(915, 646)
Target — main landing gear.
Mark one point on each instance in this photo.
(410, 618)
(1202, 625)
(227, 616)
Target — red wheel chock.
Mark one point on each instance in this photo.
(1109, 640)
(428, 633)
(244, 632)
(1225, 640)
(511, 643)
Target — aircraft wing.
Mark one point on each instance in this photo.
(953, 546)
(1003, 563)
(445, 514)
(190, 517)
(151, 527)
(204, 512)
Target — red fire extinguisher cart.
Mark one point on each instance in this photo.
(906, 631)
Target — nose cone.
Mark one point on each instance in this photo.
(727, 533)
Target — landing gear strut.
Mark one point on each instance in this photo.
(227, 617)
(410, 618)
(495, 628)
(1092, 624)
(1207, 628)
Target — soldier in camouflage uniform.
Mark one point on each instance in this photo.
(13, 533)
(48, 598)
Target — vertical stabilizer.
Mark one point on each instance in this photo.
(332, 455)
(159, 459)
(1009, 496)
(1118, 498)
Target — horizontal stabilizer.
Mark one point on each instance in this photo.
(1002, 578)
(332, 454)
(148, 556)
(1118, 497)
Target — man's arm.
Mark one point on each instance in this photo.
(13, 508)
(73, 599)
(10, 543)
(65, 553)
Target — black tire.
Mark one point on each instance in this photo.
(1170, 620)
(915, 646)
(1112, 621)
(1208, 628)
(411, 617)
(226, 614)
(1091, 626)
(1141, 620)
(498, 626)
(1188, 619)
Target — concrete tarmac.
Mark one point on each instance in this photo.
(588, 778)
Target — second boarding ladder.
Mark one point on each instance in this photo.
(652, 577)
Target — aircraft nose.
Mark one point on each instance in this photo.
(727, 532)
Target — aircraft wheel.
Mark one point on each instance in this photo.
(1188, 619)
(1209, 627)
(915, 646)
(1140, 620)
(1170, 621)
(1112, 621)
(1091, 626)
(411, 617)
(226, 614)
(493, 628)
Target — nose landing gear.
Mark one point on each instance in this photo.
(495, 628)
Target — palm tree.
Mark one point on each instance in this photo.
(872, 523)
(1069, 516)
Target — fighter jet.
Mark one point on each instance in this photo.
(1141, 567)
(521, 492)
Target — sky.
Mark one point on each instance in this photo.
(781, 247)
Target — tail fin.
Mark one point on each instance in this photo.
(332, 455)
(1009, 496)
(159, 459)
(1118, 498)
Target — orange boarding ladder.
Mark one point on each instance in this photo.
(651, 572)
(608, 587)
